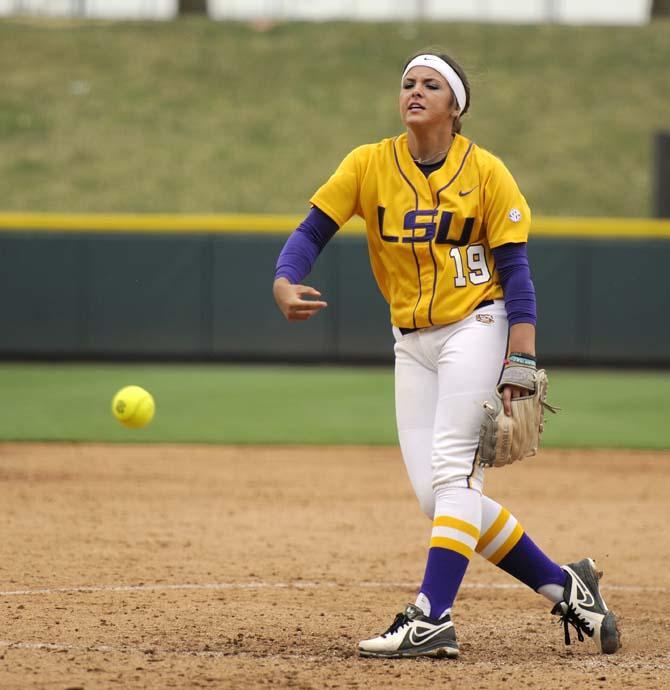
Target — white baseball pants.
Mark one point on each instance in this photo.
(442, 376)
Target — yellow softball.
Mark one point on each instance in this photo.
(133, 407)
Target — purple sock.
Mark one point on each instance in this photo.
(444, 572)
(528, 564)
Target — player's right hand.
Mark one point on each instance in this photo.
(292, 303)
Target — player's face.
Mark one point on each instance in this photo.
(425, 98)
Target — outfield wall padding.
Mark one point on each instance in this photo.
(208, 296)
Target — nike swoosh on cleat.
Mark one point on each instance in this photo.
(584, 596)
(417, 638)
(462, 193)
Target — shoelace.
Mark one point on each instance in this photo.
(400, 620)
(571, 617)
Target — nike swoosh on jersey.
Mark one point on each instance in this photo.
(462, 193)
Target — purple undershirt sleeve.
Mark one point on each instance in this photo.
(304, 244)
(514, 271)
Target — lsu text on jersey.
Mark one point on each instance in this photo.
(429, 239)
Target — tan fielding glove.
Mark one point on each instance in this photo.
(504, 440)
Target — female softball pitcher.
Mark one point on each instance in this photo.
(447, 229)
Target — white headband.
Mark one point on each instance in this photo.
(445, 69)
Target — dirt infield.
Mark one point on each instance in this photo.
(241, 567)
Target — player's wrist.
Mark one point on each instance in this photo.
(519, 371)
(523, 358)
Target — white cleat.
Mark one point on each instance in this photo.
(584, 608)
(413, 634)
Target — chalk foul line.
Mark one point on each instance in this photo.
(153, 653)
(293, 584)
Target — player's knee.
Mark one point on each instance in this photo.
(427, 504)
(454, 483)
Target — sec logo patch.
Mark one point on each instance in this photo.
(514, 215)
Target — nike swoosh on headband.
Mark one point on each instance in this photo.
(446, 70)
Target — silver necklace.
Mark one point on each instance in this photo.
(432, 159)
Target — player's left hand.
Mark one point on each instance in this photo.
(509, 392)
(505, 438)
(517, 380)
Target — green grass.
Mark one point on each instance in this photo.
(313, 405)
(199, 116)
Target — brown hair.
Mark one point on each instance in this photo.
(461, 73)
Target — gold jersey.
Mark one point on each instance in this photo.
(429, 239)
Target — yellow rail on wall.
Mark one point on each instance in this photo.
(543, 226)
